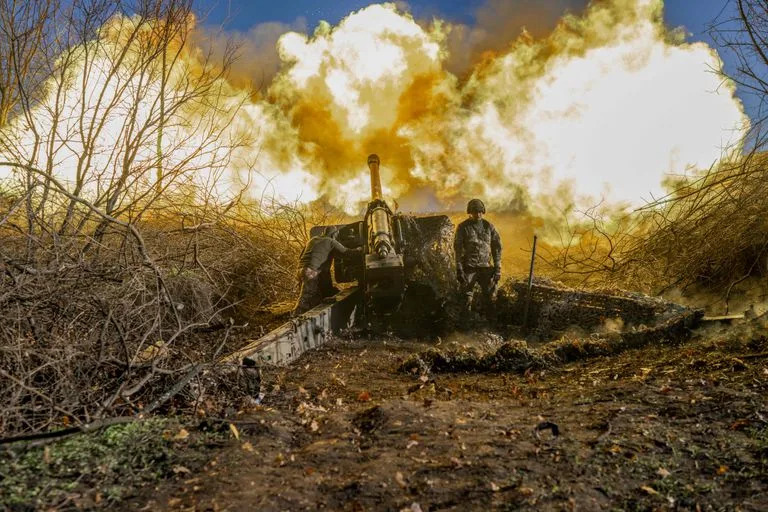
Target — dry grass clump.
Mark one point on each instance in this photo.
(707, 236)
(711, 232)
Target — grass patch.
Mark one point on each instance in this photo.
(99, 468)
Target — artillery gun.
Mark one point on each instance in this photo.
(407, 275)
(404, 278)
(404, 256)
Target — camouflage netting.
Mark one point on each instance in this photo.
(646, 321)
(430, 276)
(555, 308)
(429, 252)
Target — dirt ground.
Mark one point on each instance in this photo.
(664, 428)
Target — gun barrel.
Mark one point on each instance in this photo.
(375, 182)
(384, 267)
(381, 241)
(381, 231)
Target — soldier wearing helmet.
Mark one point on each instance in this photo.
(477, 246)
(314, 270)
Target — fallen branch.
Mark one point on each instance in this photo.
(181, 384)
(66, 432)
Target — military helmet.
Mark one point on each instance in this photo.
(331, 231)
(475, 206)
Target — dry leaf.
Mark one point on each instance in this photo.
(235, 432)
(174, 502)
(495, 487)
(364, 396)
(181, 435)
(305, 407)
(411, 444)
(739, 424)
(400, 480)
(649, 490)
(663, 473)
(154, 351)
(247, 446)
(180, 469)
(314, 426)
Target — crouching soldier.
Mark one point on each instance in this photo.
(477, 246)
(315, 260)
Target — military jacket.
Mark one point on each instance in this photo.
(318, 250)
(477, 244)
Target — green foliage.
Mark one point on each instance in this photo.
(109, 463)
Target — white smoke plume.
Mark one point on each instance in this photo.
(605, 102)
(610, 102)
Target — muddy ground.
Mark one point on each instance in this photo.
(664, 428)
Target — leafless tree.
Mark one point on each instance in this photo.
(741, 31)
(122, 232)
(25, 35)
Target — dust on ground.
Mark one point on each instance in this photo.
(662, 428)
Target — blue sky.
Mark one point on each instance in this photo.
(693, 14)
(245, 13)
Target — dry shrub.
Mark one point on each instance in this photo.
(712, 232)
(708, 236)
(87, 333)
(128, 252)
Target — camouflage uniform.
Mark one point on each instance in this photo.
(315, 271)
(477, 246)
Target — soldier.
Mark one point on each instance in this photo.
(316, 258)
(477, 246)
